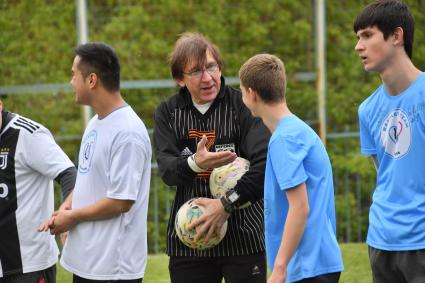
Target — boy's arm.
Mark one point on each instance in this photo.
(294, 228)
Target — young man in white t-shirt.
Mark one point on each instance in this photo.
(107, 223)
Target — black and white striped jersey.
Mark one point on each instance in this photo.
(29, 161)
(228, 125)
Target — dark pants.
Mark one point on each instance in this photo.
(324, 278)
(78, 279)
(43, 276)
(234, 269)
(397, 266)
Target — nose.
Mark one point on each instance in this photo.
(71, 83)
(359, 46)
(205, 76)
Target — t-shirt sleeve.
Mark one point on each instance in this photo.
(287, 156)
(127, 160)
(367, 144)
(43, 154)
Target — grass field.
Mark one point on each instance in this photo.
(356, 263)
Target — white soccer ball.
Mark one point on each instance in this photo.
(186, 214)
(225, 177)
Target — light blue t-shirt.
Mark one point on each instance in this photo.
(393, 129)
(297, 155)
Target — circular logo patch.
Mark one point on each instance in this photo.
(396, 134)
(87, 150)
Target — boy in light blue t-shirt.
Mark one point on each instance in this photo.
(392, 131)
(299, 207)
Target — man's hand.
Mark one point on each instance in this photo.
(46, 225)
(211, 220)
(63, 220)
(50, 223)
(209, 160)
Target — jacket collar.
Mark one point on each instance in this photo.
(6, 118)
(184, 99)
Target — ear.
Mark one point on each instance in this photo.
(252, 94)
(92, 80)
(1, 105)
(398, 36)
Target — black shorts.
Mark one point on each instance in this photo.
(78, 279)
(42, 276)
(234, 269)
(324, 278)
(397, 266)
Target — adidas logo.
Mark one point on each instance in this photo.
(186, 152)
(256, 270)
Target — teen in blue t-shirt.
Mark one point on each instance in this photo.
(392, 131)
(299, 206)
(392, 128)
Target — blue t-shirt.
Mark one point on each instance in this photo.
(393, 129)
(297, 155)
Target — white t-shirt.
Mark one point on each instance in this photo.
(29, 161)
(114, 162)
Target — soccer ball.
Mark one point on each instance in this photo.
(187, 213)
(225, 177)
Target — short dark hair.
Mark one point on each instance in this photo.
(192, 47)
(101, 59)
(387, 15)
(265, 74)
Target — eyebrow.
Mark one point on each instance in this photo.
(364, 32)
(196, 68)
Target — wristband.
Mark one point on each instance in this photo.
(228, 207)
(192, 164)
(229, 201)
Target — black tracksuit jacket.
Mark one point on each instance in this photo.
(228, 124)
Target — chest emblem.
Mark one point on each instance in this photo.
(86, 152)
(396, 134)
(225, 147)
(196, 134)
(3, 159)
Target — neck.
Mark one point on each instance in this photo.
(271, 114)
(399, 75)
(106, 102)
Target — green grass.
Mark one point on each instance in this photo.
(356, 263)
